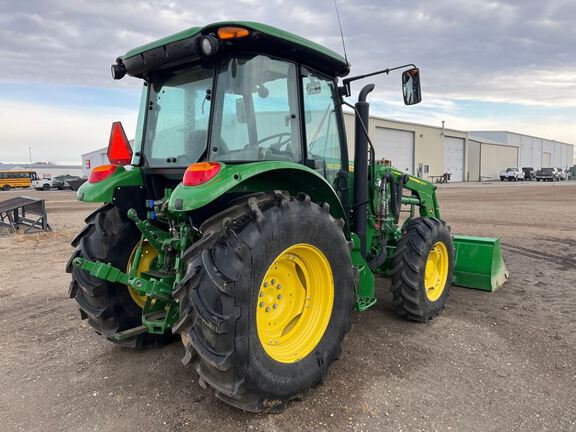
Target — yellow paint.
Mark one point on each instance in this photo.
(294, 304)
(149, 254)
(436, 272)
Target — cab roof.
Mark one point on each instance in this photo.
(263, 39)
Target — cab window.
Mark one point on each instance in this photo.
(322, 132)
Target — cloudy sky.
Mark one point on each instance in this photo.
(484, 64)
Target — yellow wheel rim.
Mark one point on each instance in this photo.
(295, 303)
(149, 254)
(436, 271)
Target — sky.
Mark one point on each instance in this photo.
(485, 65)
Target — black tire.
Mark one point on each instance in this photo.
(108, 237)
(6, 188)
(46, 187)
(219, 295)
(409, 265)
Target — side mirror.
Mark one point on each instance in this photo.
(240, 110)
(411, 86)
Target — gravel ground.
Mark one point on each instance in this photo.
(491, 362)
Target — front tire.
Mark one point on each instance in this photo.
(423, 267)
(109, 308)
(251, 257)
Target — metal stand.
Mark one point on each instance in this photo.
(13, 215)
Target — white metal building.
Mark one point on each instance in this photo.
(533, 151)
(94, 159)
(430, 151)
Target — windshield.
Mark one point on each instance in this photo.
(177, 117)
(256, 111)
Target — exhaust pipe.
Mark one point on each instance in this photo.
(360, 212)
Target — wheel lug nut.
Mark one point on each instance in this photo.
(278, 286)
(275, 306)
(261, 304)
(261, 293)
(273, 281)
(267, 308)
(279, 296)
(265, 284)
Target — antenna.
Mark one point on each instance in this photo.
(341, 33)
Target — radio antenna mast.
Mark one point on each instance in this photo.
(341, 32)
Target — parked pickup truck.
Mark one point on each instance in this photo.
(42, 184)
(512, 174)
(548, 174)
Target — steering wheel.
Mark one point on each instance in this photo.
(277, 146)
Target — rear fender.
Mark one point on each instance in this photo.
(259, 177)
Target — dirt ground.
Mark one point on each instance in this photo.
(491, 362)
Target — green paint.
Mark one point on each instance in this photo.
(263, 28)
(366, 282)
(478, 263)
(104, 191)
(257, 177)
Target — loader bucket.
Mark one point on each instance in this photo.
(478, 263)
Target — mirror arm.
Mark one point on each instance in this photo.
(345, 89)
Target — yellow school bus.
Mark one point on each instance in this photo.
(16, 179)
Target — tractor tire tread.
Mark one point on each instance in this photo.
(107, 237)
(408, 267)
(214, 309)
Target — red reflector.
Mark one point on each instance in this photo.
(119, 150)
(200, 172)
(101, 172)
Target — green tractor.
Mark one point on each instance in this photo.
(239, 223)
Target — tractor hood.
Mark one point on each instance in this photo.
(186, 46)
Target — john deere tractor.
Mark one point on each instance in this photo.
(238, 221)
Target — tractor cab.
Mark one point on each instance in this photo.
(236, 93)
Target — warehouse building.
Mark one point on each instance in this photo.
(528, 151)
(94, 159)
(430, 151)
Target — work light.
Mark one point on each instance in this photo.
(209, 45)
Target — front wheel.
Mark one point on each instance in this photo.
(422, 271)
(6, 188)
(267, 300)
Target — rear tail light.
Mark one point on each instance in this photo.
(119, 150)
(199, 173)
(101, 172)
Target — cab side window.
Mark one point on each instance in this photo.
(322, 132)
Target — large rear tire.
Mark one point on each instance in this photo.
(423, 267)
(109, 308)
(261, 263)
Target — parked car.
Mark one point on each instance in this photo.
(42, 184)
(512, 174)
(529, 173)
(62, 182)
(548, 174)
(562, 173)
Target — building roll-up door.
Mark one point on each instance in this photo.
(396, 145)
(546, 160)
(454, 158)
